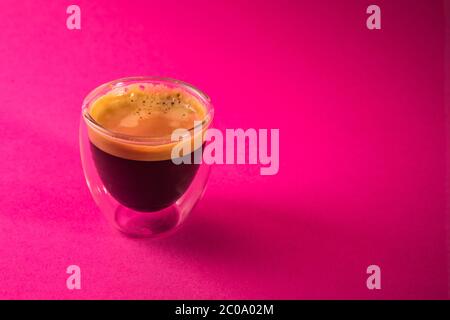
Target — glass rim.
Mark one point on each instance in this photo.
(123, 82)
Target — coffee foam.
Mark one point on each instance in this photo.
(144, 111)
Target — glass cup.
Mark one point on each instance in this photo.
(146, 197)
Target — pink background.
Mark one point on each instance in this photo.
(362, 153)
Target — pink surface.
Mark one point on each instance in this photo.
(362, 150)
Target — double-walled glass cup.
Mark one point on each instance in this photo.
(140, 194)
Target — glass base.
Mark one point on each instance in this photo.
(147, 224)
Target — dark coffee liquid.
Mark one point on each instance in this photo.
(143, 185)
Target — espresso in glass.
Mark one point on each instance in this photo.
(139, 175)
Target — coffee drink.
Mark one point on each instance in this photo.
(131, 143)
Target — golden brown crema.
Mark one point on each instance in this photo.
(145, 111)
